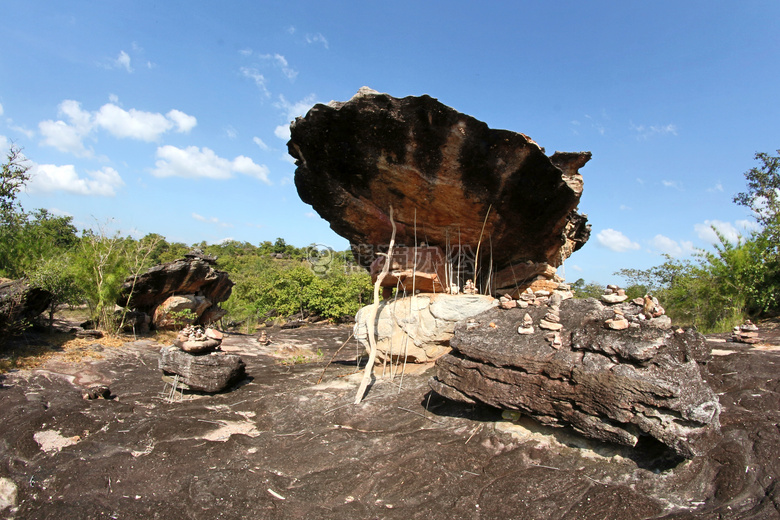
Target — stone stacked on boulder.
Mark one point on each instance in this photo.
(614, 294)
(196, 359)
(607, 384)
(745, 333)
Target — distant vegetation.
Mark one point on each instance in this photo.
(718, 289)
(713, 291)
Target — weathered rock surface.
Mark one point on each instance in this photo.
(207, 373)
(447, 175)
(419, 328)
(194, 278)
(413, 268)
(19, 301)
(611, 385)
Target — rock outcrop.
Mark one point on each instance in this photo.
(196, 359)
(614, 385)
(453, 182)
(418, 328)
(191, 284)
(20, 302)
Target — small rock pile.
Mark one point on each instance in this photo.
(614, 294)
(195, 357)
(745, 333)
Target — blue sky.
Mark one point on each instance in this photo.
(172, 117)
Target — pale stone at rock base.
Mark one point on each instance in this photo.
(613, 298)
(544, 324)
(617, 324)
(208, 373)
(418, 328)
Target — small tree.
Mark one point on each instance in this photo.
(57, 277)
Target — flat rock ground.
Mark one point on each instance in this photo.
(279, 445)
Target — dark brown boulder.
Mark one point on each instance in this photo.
(446, 174)
(20, 302)
(191, 276)
(611, 385)
(211, 372)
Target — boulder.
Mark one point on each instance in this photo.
(206, 373)
(413, 268)
(611, 385)
(20, 302)
(193, 277)
(419, 328)
(453, 182)
(180, 310)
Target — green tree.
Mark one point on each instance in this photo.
(56, 276)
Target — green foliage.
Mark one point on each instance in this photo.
(584, 290)
(763, 198)
(56, 275)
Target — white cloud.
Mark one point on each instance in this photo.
(671, 247)
(291, 111)
(727, 229)
(133, 124)
(575, 267)
(113, 98)
(310, 214)
(1, 109)
(281, 62)
(291, 29)
(259, 79)
(123, 61)
(247, 166)
(245, 52)
(184, 122)
(259, 142)
(68, 137)
(647, 131)
(317, 38)
(616, 241)
(282, 132)
(194, 162)
(718, 187)
(623, 207)
(672, 184)
(48, 178)
(211, 220)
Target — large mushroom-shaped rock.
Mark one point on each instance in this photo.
(607, 384)
(452, 181)
(20, 302)
(194, 278)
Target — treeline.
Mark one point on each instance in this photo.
(89, 267)
(716, 290)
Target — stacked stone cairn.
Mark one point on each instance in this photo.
(542, 297)
(745, 333)
(196, 362)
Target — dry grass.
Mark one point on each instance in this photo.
(31, 352)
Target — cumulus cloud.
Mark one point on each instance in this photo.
(48, 178)
(123, 61)
(671, 247)
(184, 122)
(68, 136)
(706, 232)
(616, 241)
(194, 162)
(1, 109)
(731, 232)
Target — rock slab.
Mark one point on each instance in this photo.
(611, 385)
(194, 278)
(212, 372)
(419, 328)
(453, 182)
